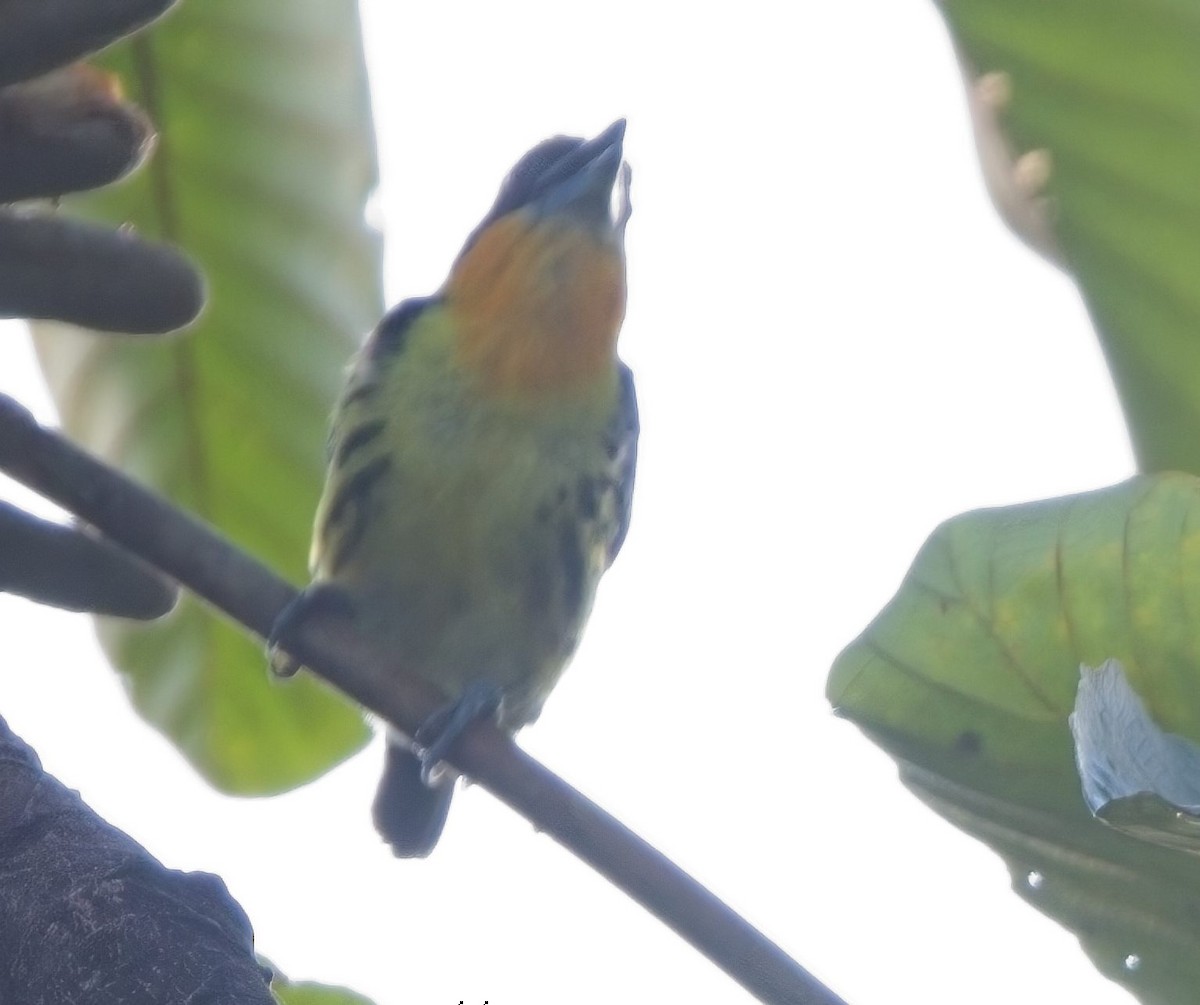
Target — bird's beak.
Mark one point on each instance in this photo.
(581, 183)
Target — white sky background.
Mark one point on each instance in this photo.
(837, 345)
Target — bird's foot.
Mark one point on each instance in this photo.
(441, 730)
(318, 599)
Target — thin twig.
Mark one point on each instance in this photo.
(234, 583)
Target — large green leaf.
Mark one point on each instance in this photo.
(969, 674)
(264, 166)
(1108, 88)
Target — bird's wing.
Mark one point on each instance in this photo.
(622, 444)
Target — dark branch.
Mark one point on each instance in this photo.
(66, 132)
(250, 594)
(90, 915)
(88, 275)
(75, 570)
(42, 34)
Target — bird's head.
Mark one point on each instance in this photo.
(538, 291)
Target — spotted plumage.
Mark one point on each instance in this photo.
(482, 458)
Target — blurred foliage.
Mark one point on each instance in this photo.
(308, 993)
(264, 166)
(1107, 90)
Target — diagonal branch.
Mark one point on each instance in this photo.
(234, 583)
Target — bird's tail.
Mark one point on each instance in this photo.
(408, 813)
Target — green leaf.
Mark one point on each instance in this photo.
(1152, 818)
(968, 676)
(1108, 88)
(309, 993)
(265, 163)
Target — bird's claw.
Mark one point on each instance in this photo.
(442, 730)
(317, 599)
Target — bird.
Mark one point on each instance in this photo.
(481, 468)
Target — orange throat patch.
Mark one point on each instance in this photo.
(537, 305)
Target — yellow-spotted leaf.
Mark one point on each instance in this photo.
(969, 675)
(262, 172)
